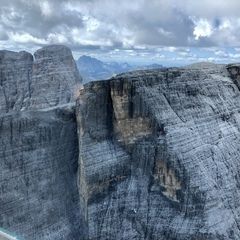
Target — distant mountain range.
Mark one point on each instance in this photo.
(92, 69)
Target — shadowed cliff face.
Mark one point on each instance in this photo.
(39, 196)
(159, 155)
(15, 80)
(47, 80)
(39, 145)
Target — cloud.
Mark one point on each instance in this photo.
(45, 8)
(202, 29)
(26, 38)
(146, 27)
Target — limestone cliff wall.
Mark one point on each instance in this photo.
(39, 145)
(38, 177)
(145, 155)
(159, 155)
(15, 80)
(55, 77)
(47, 79)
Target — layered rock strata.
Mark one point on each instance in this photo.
(47, 79)
(144, 155)
(38, 190)
(39, 145)
(159, 155)
(15, 80)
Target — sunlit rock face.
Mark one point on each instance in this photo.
(167, 179)
(159, 155)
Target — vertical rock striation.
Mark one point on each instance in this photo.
(39, 145)
(49, 79)
(38, 190)
(55, 77)
(15, 80)
(146, 155)
(159, 155)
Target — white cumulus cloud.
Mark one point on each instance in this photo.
(202, 28)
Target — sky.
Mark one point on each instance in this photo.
(169, 32)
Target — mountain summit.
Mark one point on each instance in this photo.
(93, 69)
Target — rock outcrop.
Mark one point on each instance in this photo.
(15, 80)
(55, 77)
(38, 190)
(145, 155)
(39, 145)
(48, 79)
(159, 155)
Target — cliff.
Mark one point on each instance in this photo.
(38, 190)
(39, 145)
(47, 79)
(15, 80)
(150, 154)
(159, 154)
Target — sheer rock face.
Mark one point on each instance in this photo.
(49, 80)
(148, 155)
(39, 145)
(159, 155)
(55, 77)
(38, 190)
(15, 80)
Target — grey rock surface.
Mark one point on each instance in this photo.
(159, 155)
(55, 77)
(38, 190)
(15, 80)
(39, 145)
(48, 79)
(147, 155)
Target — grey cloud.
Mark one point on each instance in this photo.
(118, 24)
(27, 16)
(171, 32)
(3, 34)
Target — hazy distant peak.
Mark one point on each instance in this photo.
(202, 65)
(92, 68)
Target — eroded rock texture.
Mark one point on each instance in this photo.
(39, 145)
(55, 77)
(38, 190)
(159, 155)
(49, 79)
(15, 80)
(146, 155)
